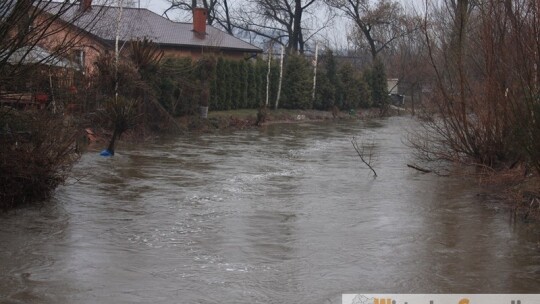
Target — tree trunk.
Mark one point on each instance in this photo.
(110, 148)
(280, 76)
(297, 26)
(228, 24)
(268, 76)
(371, 42)
(412, 101)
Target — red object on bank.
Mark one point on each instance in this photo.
(42, 97)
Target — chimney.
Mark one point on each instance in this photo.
(199, 20)
(86, 5)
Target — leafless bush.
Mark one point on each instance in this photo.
(37, 151)
(29, 25)
(485, 59)
(365, 152)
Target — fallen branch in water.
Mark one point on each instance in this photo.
(361, 152)
(419, 168)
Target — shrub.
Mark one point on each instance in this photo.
(37, 151)
(177, 89)
(328, 85)
(376, 79)
(297, 84)
(326, 92)
(354, 89)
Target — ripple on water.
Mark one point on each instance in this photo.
(281, 214)
(183, 222)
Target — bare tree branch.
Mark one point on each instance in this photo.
(361, 151)
(378, 25)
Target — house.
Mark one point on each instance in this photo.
(96, 28)
(392, 85)
(30, 91)
(57, 39)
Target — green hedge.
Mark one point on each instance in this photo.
(343, 85)
(242, 84)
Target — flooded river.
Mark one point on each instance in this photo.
(282, 214)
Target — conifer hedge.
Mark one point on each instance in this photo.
(240, 84)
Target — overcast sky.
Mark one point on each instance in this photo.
(157, 6)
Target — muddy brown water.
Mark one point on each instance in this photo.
(283, 214)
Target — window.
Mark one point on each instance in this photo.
(79, 59)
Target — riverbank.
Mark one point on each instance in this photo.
(220, 121)
(515, 189)
(248, 118)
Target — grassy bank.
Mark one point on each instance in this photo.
(247, 118)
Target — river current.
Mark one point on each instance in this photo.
(282, 214)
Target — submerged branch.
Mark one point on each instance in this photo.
(419, 168)
(361, 153)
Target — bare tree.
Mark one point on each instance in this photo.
(410, 65)
(365, 152)
(287, 22)
(291, 23)
(377, 24)
(32, 26)
(484, 55)
(219, 12)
